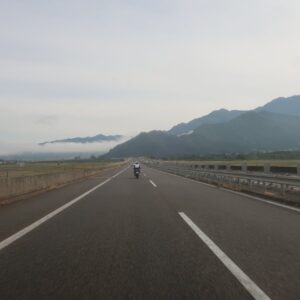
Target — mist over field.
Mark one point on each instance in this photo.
(19, 148)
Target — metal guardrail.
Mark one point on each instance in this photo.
(279, 186)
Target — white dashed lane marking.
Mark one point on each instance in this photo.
(152, 183)
(239, 274)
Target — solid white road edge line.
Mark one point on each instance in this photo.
(34, 225)
(248, 284)
(152, 183)
(234, 192)
(263, 200)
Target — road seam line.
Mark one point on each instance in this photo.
(239, 274)
(234, 192)
(152, 183)
(39, 222)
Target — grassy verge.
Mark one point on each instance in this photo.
(23, 181)
(43, 168)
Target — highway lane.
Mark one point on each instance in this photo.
(263, 239)
(22, 213)
(126, 240)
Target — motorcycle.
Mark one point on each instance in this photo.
(137, 173)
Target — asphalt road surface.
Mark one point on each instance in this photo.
(158, 237)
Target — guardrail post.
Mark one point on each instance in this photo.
(283, 189)
(228, 167)
(244, 167)
(298, 170)
(267, 168)
(250, 184)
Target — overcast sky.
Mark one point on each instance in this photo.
(79, 68)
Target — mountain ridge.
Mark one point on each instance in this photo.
(261, 129)
(217, 116)
(222, 115)
(252, 131)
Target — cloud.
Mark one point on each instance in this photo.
(70, 68)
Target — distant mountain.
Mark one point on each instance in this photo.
(251, 131)
(154, 143)
(287, 106)
(215, 117)
(272, 127)
(100, 138)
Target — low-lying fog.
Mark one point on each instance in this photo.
(21, 147)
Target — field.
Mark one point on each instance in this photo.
(22, 179)
(42, 168)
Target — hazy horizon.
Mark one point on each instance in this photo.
(80, 68)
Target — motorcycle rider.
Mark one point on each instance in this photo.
(136, 167)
